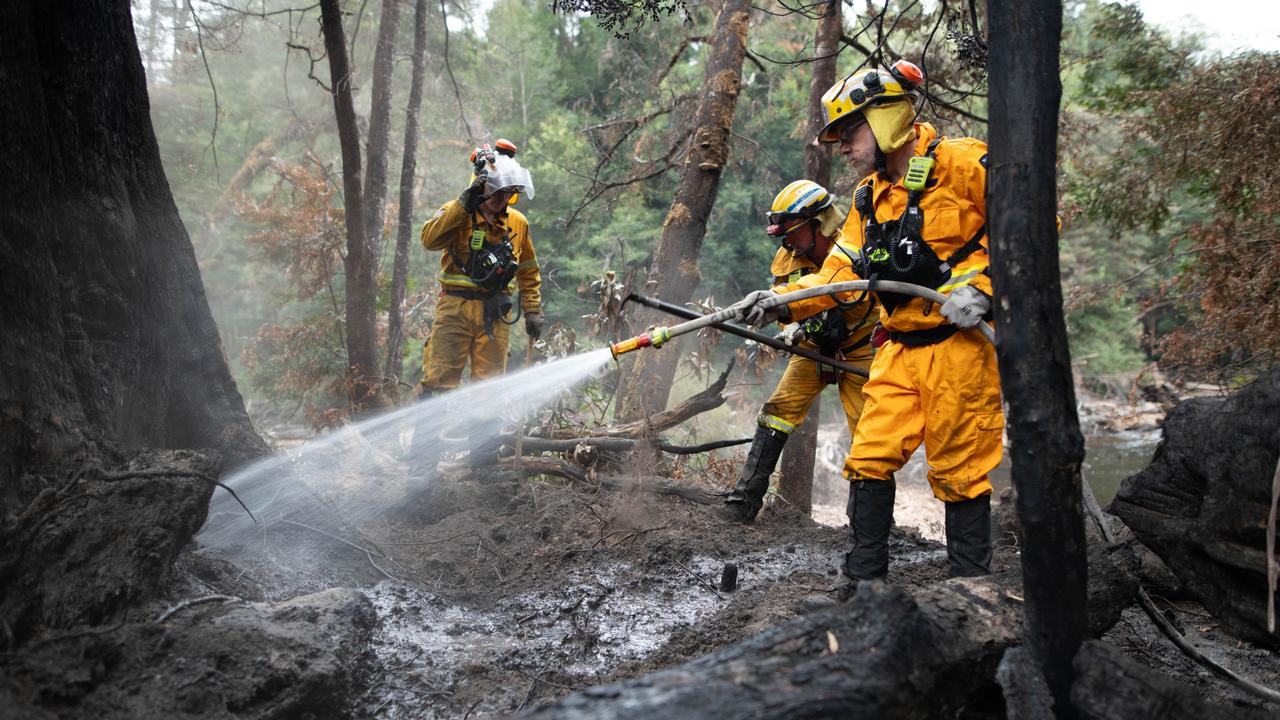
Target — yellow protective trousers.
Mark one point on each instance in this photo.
(946, 395)
(800, 384)
(458, 336)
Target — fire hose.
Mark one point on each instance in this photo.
(658, 336)
(745, 333)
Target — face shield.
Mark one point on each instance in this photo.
(507, 173)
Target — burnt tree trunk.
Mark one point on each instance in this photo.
(107, 344)
(404, 225)
(361, 289)
(1035, 362)
(105, 329)
(674, 272)
(376, 150)
(1203, 503)
(883, 654)
(796, 482)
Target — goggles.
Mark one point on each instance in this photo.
(779, 228)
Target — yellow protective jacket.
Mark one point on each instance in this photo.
(954, 210)
(449, 230)
(787, 268)
(860, 319)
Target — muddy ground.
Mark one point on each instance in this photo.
(495, 594)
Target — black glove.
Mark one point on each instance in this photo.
(474, 195)
(533, 323)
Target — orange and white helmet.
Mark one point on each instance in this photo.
(504, 147)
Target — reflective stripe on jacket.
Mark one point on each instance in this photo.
(449, 231)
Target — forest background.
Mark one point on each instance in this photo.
(1170, 249)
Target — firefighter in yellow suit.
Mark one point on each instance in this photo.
(806, 223)
(919, 216)
(485, 249)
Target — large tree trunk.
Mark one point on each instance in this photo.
(404, 226)
(107, 344)
(361, 288)
(796, 483)
(375, 181)
(105, 330)
(883, 654)
(674, 272)
(1035, 362)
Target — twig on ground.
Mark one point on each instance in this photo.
(195, 601)
(695, 576)
(408, 662)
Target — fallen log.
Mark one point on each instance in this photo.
(1026, 694)
(1203, 503)
(884, 653)
(1109, 686)
(653, 484)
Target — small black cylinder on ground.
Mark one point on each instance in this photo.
(729, 578)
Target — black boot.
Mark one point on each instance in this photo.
(870, 513)
(969, 537)
(747, 497)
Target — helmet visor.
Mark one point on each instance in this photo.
(506, 173)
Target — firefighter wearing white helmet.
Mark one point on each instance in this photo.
(485, 251)
(806, 225)
(918, 216)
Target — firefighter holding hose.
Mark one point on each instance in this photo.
(919, 216)
(806, 224)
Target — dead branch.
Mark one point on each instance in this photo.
(193, 602)
(709, 399)
(617, 444)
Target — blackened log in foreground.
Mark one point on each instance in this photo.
(1026, 694)
(883, 654)
(1202, 503)
(1109, 686)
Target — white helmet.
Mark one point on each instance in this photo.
(506, 172)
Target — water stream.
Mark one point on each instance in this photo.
(351, 477)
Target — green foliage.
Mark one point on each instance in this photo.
(1150, 172)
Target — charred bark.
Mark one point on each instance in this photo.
(360, 266)
(796, 481)
(1035, 362)
(105, 332)
(1202, 504)
(404, 225)
(1110, 686)
(675, 261)
(882, 654)
(376, 150)
(107, 344)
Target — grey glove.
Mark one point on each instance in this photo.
(473, 195)
(966, 306)
(750, 311)
(533, 323)
(792, 334)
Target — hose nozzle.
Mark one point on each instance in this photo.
(654, 338)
